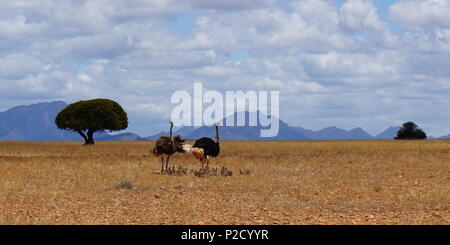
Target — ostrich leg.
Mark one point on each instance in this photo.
(167, 162)
(162, 162)
(203, 160)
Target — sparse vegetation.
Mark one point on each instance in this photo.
(410, 131)
(309, 182)
(124, 184)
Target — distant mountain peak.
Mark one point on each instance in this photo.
(56, 102)
(248, 131)
(121, 137)
(445, 137)
(389, 133)
(52, 104)
(35, 122)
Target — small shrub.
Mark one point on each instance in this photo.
(125, 184)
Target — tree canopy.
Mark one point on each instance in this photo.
(410, 131)
(89, 116)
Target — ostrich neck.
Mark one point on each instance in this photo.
(217, 134)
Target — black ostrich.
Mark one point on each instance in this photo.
(205, 147)
(168, 146)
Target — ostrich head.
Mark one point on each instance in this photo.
(179, 144)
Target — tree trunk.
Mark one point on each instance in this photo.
(82, 135)
(88, 139)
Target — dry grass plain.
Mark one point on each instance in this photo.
(310, 182)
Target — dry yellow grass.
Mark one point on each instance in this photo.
(326, 182)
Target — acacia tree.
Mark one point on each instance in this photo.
(89, 116)
(410, 131)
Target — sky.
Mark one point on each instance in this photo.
(344, 63)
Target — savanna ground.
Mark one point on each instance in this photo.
(310, 182)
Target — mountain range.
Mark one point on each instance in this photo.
(36, 123)
(335, 133)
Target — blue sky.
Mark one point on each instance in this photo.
(345, 63)
(185, 20)
(182, 23)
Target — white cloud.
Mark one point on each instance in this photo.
(84, 78)
(18, 65)
(421, 15)
(273, 30)
(359, 15)
(352, 65)
(227, 5)
(19, 27)
(362, 15)
(152, 110)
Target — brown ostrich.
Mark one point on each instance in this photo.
(166, 145)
